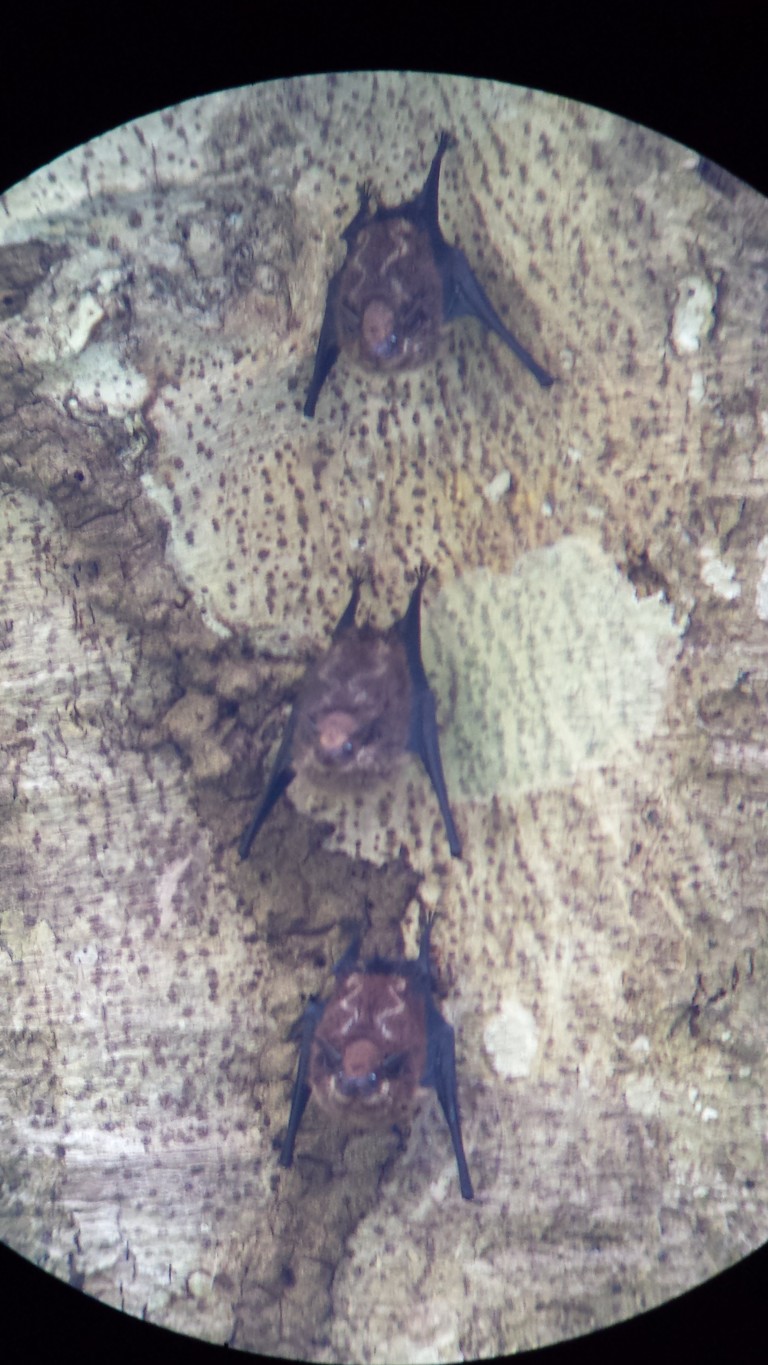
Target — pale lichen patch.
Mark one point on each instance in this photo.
(642, 1095)
(511, 1039)
(761, 591)
(556, 668)
(693, 318)
(498, 486)
(718, 575)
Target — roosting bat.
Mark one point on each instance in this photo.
(360, 707)
(367, 1049)
(400, 282)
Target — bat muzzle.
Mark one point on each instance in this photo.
(379, 336)
(358, 1087)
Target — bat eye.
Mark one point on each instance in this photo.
(347, 748)
(393, 1065)
(414, 321)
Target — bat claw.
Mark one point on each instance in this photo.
(425, 937)
(423, 572)
(361, 576)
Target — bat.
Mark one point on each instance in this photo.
(399, 284)
(360, 707)
(367, 1050)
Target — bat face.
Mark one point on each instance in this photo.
(360, 709)
(389, 308)
(401, 282)
(370, 1048)
(354, 707)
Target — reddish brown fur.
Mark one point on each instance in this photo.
(383, 1011)
(360, 686)
(361, 707)
(377, 1040)
(392, 265)
(400, 282)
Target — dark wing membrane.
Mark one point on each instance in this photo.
(464, 296)
(280, 779)
(424, 742)
(327, 349)
(441, 1075)
(423, 210)
(301, 1091)
(423, 738)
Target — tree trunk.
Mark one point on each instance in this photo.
(178, 546)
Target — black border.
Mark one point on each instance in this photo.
(696, 75)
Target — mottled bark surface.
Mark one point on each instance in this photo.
(177, 542)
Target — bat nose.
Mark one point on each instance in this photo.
(358, 1087)
(379, 336)
(386, 347)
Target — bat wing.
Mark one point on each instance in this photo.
(440, 1074)
(464, 296)
(328, 349)
(301, 1091)
(423, 210)
(424, 742)
(423, 738)
(280, 779)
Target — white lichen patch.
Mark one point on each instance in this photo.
(694, 315)
(698, 389)
(511, 1039)
(718, 575)
(761, 591)
(556, 668)
(642, 1095)
(498, 486)
(103, 381)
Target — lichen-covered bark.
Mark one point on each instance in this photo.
(178, 540)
